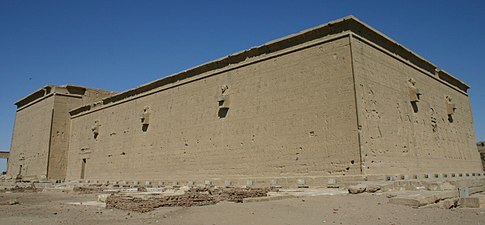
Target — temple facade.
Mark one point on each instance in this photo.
(338, 101)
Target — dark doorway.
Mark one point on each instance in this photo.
(83, 168)
(20, 171)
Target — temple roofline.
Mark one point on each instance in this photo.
(349, 24)
(51, 89)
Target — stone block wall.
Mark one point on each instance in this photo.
(290, 114)
(337, 101)
(30, 141)
(399, 136)
(41, 130)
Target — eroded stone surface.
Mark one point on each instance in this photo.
(192, 197)
(356, 189)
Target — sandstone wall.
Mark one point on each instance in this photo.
(290, 115)
(30, 141)
(396, 139)
(60, 135)
(66, 98)
(339, 100)
(41, 131)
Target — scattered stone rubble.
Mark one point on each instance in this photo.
(193, 197)
(18, 187)
(446, 193)
(88, 189)
(428, 194)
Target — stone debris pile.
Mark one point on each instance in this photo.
(192, 197)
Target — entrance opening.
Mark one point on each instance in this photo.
(20, 171)
(83, 168)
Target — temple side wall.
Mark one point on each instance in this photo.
(396, 139)
(30, 140)
(291, 115)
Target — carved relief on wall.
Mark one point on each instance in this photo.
(95, 129)
(223, 101)
(145, 118)
(414, 94)
(450, 107)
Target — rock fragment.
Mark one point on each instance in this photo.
(356, 189)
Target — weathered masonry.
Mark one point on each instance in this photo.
(341, 100)
(41, 130)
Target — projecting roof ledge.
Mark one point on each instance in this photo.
(346, 24)
(34, 95)
(67, 89)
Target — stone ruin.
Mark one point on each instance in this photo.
(337, 103)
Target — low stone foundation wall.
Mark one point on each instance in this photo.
(290, 182)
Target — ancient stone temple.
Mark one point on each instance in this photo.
(40, 139)
(338, 101)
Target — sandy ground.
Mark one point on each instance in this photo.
(46, 208)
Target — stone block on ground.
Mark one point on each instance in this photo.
(446, 186)
(421, 198)
(372, 188)
(103, 197)
(448, 203)
(469, 202)
(356, 189)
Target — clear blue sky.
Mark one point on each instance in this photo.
(117, 45)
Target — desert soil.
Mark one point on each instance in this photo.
(47, 208)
